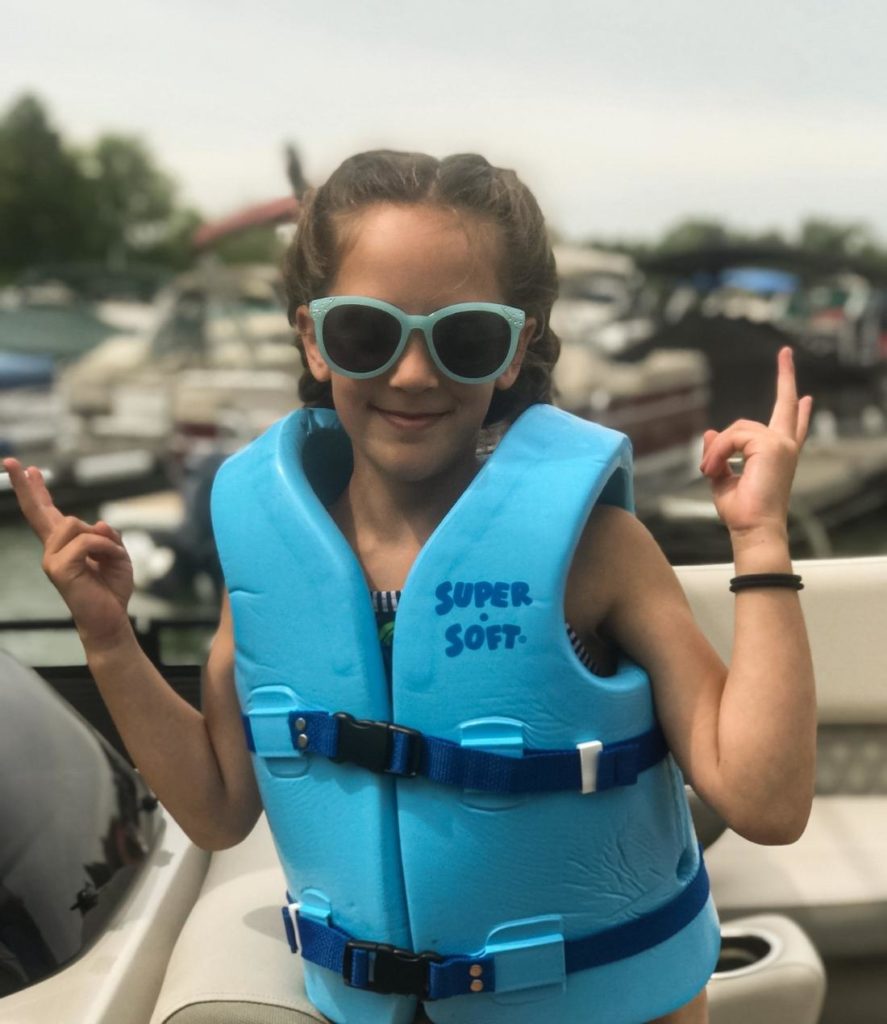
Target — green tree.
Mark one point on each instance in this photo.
(132, 200)
(168, 242)
(43, 194)
(695, 233)
(835, 238)
(257, 245)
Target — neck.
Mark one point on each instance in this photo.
(387, 521)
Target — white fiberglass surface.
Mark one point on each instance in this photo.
(117, 980)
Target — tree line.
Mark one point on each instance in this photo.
(112, 204)
(853, 243)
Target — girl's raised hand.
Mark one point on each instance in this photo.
(758, 497)
(87, 564)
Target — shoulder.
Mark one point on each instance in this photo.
(611, 539)
(616, 561)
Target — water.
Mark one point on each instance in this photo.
(26, 593)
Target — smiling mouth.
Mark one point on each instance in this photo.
(409, 419)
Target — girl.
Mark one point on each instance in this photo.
(420, 291)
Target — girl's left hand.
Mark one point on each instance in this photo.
(759, 496)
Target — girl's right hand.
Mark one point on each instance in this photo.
(88, 565)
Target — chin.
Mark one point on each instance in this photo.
(416, 467)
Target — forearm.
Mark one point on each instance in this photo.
(767, 714)
(170, 743)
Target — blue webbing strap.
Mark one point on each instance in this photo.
(634, 937)
(384, 747)
(431, 976)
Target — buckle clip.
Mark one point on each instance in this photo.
(369, 744)
(391, 970)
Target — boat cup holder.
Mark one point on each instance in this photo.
(768, 971)
(745, 952)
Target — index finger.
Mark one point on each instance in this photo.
(785, 408)
(33, 498)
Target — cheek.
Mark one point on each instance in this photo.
(478, 399)
(349, 396)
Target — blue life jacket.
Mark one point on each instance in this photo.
(517, 846)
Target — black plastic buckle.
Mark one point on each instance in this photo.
(369, 744)
(392, 970)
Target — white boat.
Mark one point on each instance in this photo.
(603, 302)
(660, 401)
(218, 363)
(197, 937)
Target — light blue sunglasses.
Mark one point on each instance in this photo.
(471, 342)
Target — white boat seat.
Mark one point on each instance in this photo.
(768, 973)
(833, 881)
(851, 760)
(232, 964)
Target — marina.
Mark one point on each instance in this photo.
(673, 808)
(132, 431)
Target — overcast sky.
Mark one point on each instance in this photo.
(622, 115)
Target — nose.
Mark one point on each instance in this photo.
(415, 370)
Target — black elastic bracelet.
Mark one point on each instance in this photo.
(766, 579)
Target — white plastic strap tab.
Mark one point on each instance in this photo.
(588, 759)
(293, 910)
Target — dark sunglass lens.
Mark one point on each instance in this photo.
(360, 339)
(472, 344)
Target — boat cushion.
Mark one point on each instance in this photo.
(231, 964)
(845, 606)
(851, 760)
(231, 1012)
(832, 881)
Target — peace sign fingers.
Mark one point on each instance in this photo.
(33, 498)
(791, 415)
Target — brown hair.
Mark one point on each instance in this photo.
(465, 182)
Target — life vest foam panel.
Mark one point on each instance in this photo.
(480, 657)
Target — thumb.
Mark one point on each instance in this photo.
(707, 439)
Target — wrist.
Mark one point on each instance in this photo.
(110, 647)
(761, 549)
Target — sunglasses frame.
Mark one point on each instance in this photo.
(515, 318)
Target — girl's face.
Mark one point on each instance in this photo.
(412, 423)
